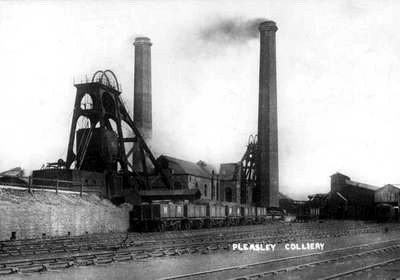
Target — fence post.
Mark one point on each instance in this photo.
(57, 186)
(29, 184)
(81, 188)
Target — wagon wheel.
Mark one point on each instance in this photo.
(161, 227)
(186, 225)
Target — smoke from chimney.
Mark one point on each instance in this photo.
(231, 31)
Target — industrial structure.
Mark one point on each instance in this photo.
(347, 199)
(267, 184)
(142, 101)
(108, 149)
(258, 170)
(97, 151)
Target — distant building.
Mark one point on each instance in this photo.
(318, 205)
(350, 199)
(13, 176)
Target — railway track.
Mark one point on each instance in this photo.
(34, 263)
(176, 234)
(280, 268)
(96, 246)
(116, 241)
(366, 268)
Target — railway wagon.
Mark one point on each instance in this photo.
(261, 215)
(248, 215)
(233, 215)
(157, 217)
(195, 216)
(275, 213)
(215, 215)
(169, 216)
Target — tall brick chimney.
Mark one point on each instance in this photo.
(267, 168)
(142, 105)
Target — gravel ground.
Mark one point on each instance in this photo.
(169, 266)
(391, 271)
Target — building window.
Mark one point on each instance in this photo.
(228, 194)
(86, 102)
(205, 190)
(212, 191)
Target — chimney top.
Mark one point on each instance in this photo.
(142, 41)
(267, 26)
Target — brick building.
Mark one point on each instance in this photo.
(229, 176)
(186, 175)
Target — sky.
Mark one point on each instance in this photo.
(338, 73)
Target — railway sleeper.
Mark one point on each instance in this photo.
(30, 269)
(11, 270)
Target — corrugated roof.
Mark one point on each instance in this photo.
(229, 171)
(179, 166)
(393, 186)
(361, 185)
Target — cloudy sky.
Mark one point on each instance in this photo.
(338, 65)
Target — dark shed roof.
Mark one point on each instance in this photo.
(179, 166)
(190, 194)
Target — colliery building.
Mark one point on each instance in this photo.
(347, 199)
(108, 151)
(108, 154)
(189, 181)
(350, 199)
(230, 182)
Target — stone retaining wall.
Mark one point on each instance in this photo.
(43, 212)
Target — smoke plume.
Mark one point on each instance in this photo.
(231, 31)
